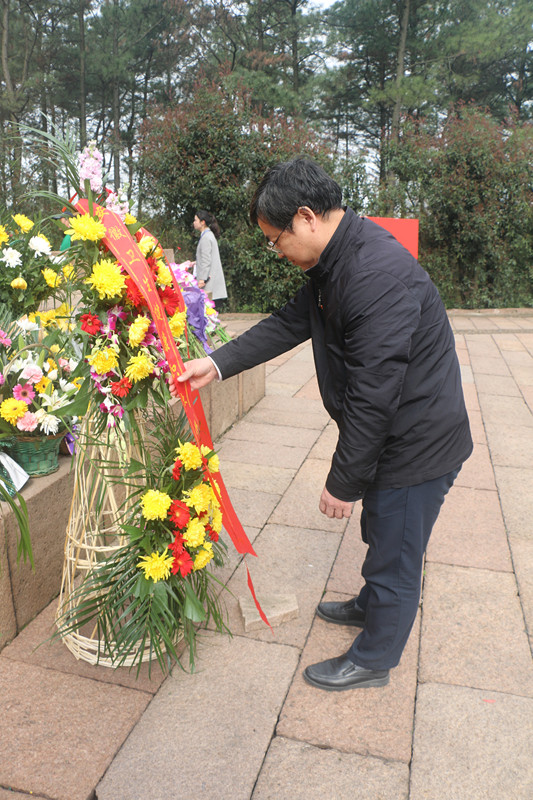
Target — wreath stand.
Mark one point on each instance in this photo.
(93, 534)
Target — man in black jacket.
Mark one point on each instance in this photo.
(388, 375)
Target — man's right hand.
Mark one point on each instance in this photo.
(199, 371)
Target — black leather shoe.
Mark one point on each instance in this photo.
(339, 674)
(347, 613)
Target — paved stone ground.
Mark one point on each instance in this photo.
(456, 720)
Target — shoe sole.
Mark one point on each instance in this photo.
(351, 622)
(367, 684)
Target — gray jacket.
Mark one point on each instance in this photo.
(209, 267)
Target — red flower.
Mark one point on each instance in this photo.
(121, 388)
(182, 563)
(213, 535)
(177, 545)
(90, 324)
(170, 300)
(176, 469)
(179, 513)
(133, 295)
(152, 263)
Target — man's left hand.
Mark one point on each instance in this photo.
(332, 507)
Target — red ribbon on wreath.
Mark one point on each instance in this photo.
(121, 243)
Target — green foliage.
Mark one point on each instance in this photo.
(471, 187)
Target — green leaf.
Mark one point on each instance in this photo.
(133, 532)
(193, 608)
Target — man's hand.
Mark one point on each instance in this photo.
(332, 507)
(200, 372)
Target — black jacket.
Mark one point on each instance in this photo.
(385, 361)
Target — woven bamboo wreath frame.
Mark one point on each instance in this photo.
(92, 535)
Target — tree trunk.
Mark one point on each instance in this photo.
(83, 89)
(116, 104)
(400, 66)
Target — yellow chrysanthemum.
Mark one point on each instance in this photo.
(62, 317)
(147, 244)
(12, 410)
(177, 323)
(156, 566)
(190, 455)
(214, 462)
(199, 498)
(51, 363)
(106, 279)
(4, 236)
(216, 522)
(23, 222)
(209, 311)
(84, 227)
(155, 504)
(139, 367)
(203, 556)
(104, 360)
(51, 277)
(42, 384)
(130, 219)
(164, 275)
(44, 318)
(137, 331)
(19, 283)
(194, 533)
(69, 272)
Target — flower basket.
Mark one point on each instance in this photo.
(37, 455)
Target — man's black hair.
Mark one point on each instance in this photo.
(288, 186)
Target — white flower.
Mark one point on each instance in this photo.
(54, 401)
(11, 257)
(67, 386)
(48, 423)
(40, 245)
(26, 325)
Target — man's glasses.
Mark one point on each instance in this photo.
(273, 246)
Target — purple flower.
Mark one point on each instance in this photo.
(195, 302)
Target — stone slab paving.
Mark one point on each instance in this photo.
(298, 771)
(375, 721)
(471, 745)
(60, 732)
(455, 722)
(205, 735)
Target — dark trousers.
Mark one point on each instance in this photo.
(396, 525)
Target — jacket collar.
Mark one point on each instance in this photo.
(334, 247)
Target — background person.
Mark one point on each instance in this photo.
(208, 269)
(388, 375)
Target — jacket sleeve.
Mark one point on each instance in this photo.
(204, 257)
(380, 318)
(274, 335)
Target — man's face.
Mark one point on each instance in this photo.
(298, 245)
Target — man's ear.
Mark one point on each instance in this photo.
(308, 216)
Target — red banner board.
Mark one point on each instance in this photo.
(405, 230)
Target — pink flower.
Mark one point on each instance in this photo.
(32, 374)
(28, 422)
(64, 364)
(23, 392)
(4, 338)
